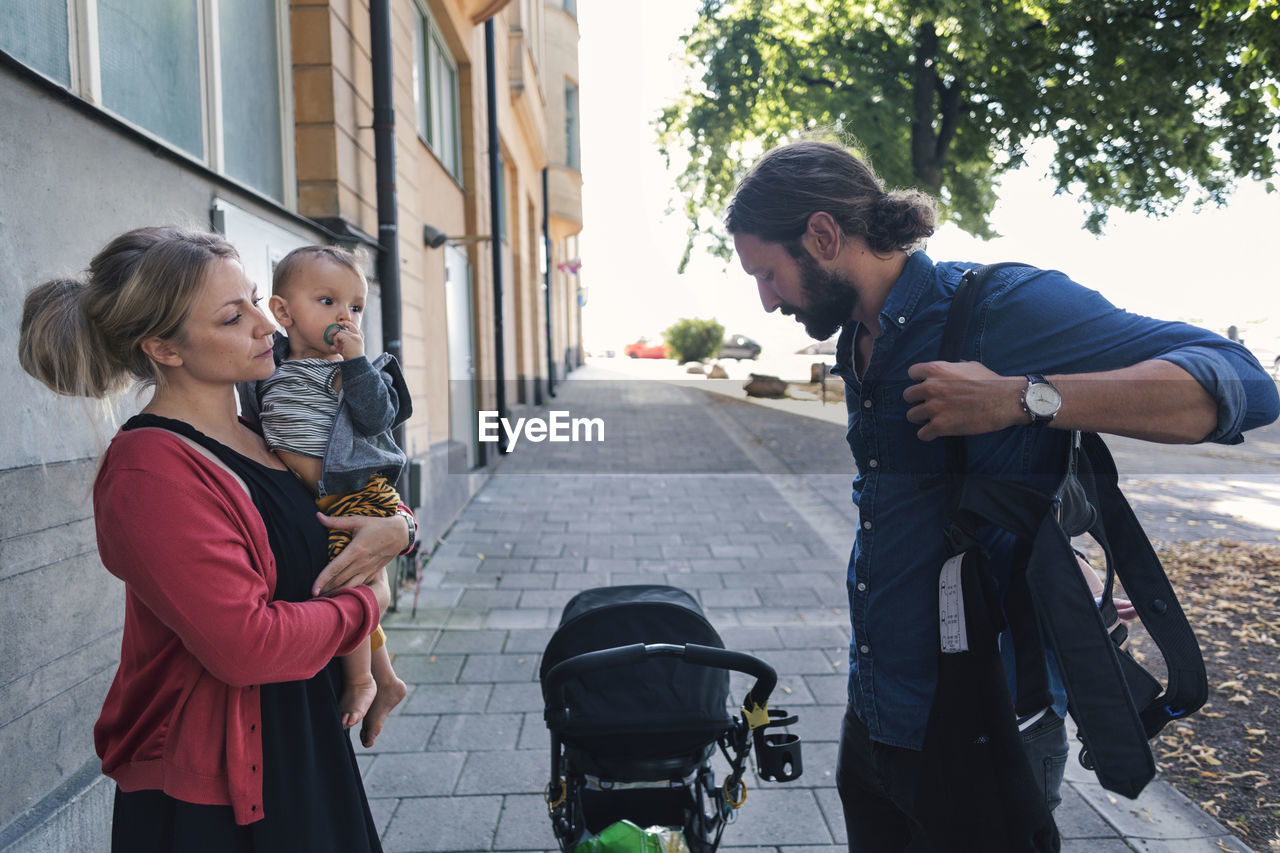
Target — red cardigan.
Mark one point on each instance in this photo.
(200, 628)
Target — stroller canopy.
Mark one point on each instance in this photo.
(683, 703)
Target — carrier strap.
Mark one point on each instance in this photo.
(1101, 705)
(1115, 702)
(1131, 558)
(953, 335)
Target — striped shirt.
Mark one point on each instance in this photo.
(299, 404)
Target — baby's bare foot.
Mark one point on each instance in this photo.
(357, 697)
(390, 694)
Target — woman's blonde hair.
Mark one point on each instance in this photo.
(84, 337)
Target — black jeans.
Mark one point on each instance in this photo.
(1047, 750)
(878, 787)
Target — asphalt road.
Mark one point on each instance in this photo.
(1180, 492)
(1202, 491)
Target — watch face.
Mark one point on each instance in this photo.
(1043, 399)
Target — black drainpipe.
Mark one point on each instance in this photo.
(546, 283)
(384, 148)
(495, 212)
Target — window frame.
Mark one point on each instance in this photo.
(431, 55)
(572, 125)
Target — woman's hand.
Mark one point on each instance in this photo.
(374, 543)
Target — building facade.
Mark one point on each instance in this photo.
(270, 122)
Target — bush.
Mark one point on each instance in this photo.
(694, 340)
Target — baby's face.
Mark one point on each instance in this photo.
(319, 295)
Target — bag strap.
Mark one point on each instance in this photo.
(953, 336)
(1131, 558)
(966, 296)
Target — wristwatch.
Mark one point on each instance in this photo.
(413, 529)
(1040, 400)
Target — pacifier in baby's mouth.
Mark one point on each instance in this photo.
(331, 330)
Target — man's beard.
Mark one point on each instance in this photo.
(829, 297)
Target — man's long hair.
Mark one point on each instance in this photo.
(793, 181)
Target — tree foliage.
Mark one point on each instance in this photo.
(694, 339)
(1146, 103)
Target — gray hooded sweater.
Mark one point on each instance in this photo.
(373, 401)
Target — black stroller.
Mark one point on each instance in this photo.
(634, 683)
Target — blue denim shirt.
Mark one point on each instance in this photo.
(1025, 320)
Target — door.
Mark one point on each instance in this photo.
(462, 386)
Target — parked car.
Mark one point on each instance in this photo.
(827, 347)
(643, 349)
(739, 346)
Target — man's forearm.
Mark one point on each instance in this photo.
(1153, 400)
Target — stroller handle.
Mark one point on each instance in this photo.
(578, 665)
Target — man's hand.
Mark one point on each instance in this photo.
(962, 398)
(374, 543)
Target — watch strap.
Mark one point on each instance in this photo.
(413, 528)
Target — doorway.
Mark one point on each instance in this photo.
(462, 370)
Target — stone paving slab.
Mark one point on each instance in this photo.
(745, 507)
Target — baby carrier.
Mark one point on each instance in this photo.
(1116, 703)
(635, 682)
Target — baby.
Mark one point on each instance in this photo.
(328, 412)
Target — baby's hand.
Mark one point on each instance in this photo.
(346, 339)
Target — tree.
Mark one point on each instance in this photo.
(694, 340)
(1146, 103)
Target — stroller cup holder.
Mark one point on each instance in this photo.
(778, 753)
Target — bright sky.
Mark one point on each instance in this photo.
(1211, 267)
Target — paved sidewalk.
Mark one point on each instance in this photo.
(746, 507)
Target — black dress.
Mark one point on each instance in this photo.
(312, 796)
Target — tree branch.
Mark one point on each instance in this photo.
(819, 81)
(924, 151)
(949, 107)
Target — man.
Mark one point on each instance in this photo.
(826, 244)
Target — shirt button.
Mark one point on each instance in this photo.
(253, 727)
(901, 320)
(865, 649)
(866, 525)
(862, 587)
(866, 404)
(253, 769)
(874, 463)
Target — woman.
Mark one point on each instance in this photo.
(221, 728)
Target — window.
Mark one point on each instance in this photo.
(572, 155)
(435, 94)
(35, 33)
(252, 102)
(150, 73)
(205, 76)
